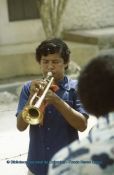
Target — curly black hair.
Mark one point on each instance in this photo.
(51, 46)
(96, 85)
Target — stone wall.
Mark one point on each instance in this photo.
(89, 14)
(22, 64)
(18, 65)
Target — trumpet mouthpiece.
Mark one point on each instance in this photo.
(49, 74)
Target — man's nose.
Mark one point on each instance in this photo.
(50, 65)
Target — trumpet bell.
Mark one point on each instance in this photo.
(32, 115)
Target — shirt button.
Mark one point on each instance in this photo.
(49, 112)
(47, 148)
(48, 129)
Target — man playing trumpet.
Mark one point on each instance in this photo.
(63, 115)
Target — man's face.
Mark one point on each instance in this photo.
(55, 64)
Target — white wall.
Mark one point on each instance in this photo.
(18, 40)
(79, 14)
(20, 31)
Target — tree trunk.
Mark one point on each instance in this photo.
(51, 12)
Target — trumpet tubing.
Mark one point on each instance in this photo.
(33, 114)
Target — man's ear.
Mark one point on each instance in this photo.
(66, 65)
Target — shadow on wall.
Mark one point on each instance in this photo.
(73, 70)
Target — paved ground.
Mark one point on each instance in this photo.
(14, 144)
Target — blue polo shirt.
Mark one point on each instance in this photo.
(55, 133)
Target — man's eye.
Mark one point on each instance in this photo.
(45, 62)
(55, 62)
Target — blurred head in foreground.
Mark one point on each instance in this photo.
(96, 85)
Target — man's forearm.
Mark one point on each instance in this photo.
(21, 124)
(73, 117)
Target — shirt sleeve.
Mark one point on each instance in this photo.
(62, 161)
(24, 95)
(78, 105)
(85, 157)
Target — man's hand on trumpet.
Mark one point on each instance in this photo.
(37, 86)
(50, 97)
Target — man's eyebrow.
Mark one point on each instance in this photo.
(44, 59)
(55, 59)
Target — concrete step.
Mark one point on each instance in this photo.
(94, 36)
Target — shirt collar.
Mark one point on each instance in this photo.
(64, 83)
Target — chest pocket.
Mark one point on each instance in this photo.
(69, 96)
(72, 98)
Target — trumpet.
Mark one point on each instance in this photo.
(33, 113)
